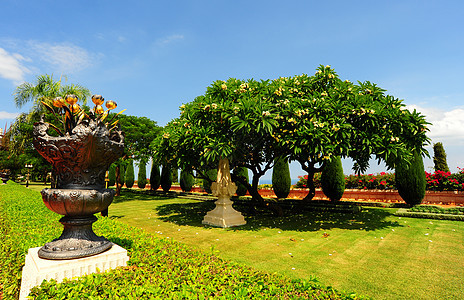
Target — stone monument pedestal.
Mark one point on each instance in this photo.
(37, 269)
(224, 215)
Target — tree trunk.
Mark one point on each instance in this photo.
(311, 187)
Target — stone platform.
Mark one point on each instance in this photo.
(37, 269)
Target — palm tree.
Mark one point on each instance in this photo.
(46, 89)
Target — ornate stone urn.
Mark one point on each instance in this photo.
(80, 159)
(5, 175)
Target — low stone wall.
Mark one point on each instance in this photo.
(389, 196)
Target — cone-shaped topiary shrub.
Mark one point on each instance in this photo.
(166, 177)
(410, 180)
(122, 173)
(333, 179)
(212, 174)
(142, 175)
(241, 172)
(175, 175)
(281, 180)
(130, 174)
(112, 175)
(155, 177)
(439, 158)
(186, 180)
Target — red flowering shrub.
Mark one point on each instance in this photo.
(380, 181)
(438, 181)
(302, 181)
(445, 181)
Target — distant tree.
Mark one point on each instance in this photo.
(46, 89)
(142, 175)
(166, 177)
(186, 180)
(155, 177)
(439, 158)
(410, 180)
(112, 175)
(281, 180)
(130, 174)
(333, 179)
(241, 172)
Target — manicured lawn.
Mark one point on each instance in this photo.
(372, 253)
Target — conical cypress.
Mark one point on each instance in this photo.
(281, 180)
(130, 174)
(186, 180)
(166, 178)
(333, 179)
(212, 175)
(142, 175)
(122, 173)
(439, 158)
(410, 180)
(112, 175)
(155, 177)
(242, 172)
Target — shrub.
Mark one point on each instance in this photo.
(155, 177)
(142, 175)
(186, 180)
(439, 158)
(281, 180)
(241, 172)
(333, 179)
(175, 175)
(122, 173)
(212, 175)
(112, 175)
(166, 177)
(129, 179)
(380, 181)
(303, 181)
(444, 181)
(410, 180)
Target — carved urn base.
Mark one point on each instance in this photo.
(78, 207)
(77, 240)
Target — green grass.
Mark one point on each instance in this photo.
(372, 253)
(158, 268)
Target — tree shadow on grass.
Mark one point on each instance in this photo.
(294, 219)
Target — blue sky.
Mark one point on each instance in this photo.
(152, 56)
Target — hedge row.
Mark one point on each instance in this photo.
(158, 268)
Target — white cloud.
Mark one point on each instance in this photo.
(11, 66)
(66, 57)
(7, 115)
(447, 126)
(169, 39)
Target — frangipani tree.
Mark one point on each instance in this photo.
(309, 119)
(323, 117)
(234, 120)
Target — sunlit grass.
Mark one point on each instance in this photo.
(373, 253)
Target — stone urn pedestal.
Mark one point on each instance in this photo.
(224, 215)
(79, 161)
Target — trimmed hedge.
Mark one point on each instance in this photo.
(158, 268)
(403, 212)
